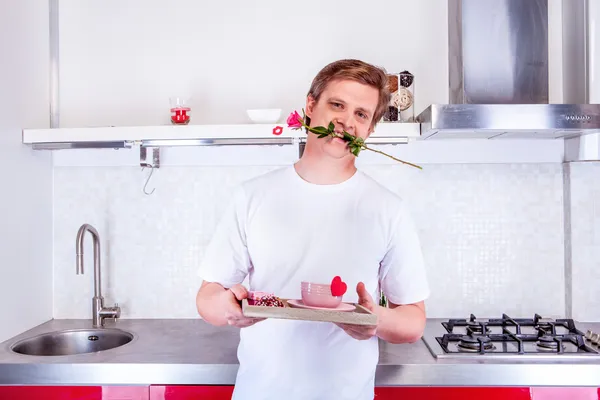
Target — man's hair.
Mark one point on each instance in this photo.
(358, 71)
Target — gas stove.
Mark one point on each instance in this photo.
(511, 338)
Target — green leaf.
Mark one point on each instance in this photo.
(354, 149)
(322, 135)
(318, 129)
(348, 137)
(331, 127)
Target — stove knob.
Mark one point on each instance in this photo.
(588, 334)
(595, 338)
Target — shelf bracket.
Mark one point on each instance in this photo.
(146, 161)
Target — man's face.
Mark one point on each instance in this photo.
(350, 105)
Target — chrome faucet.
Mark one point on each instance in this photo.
(99, 312)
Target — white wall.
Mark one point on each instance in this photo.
(25, 175)
(120, 61)
(585, 239)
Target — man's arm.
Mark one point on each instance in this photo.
(396, 324)
(219, 306)
(401, 323)
(226, 260)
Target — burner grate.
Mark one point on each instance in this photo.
(537, 322)
(480, 339)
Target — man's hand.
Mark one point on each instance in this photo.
(362, 332)
(219, 306)
(233, 311)
(395, 324)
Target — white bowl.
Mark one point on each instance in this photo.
(264, 115)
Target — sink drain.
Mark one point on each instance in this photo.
(93, 338)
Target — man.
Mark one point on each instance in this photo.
(311, 221)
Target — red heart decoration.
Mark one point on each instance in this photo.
(338, 287)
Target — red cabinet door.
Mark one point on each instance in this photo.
(50, 392)
(74, 393)
(381, 393)
(451, 393)
(160, 392)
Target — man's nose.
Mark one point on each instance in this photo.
(346, 122)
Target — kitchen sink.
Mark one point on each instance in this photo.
(74, 341)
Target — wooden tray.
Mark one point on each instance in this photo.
(360, 316)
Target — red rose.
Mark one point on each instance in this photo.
(294, 121)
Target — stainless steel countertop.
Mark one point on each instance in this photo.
(189, 351)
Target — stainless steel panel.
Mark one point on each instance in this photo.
(190, 351)
(54, 79)
(503, 121)
(217, 142)
(455, 52)
(498, 51)
(197, 142)
(81, 145)
(575, 51)
(405, 374)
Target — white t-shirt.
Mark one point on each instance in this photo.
(280, 230)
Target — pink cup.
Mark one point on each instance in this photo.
(319, 295)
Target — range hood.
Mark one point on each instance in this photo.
(498, 74)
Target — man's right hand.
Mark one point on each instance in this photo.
(233, 313)
(220, 306)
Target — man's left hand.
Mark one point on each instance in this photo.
(362, 332)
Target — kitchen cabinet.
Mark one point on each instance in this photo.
(197, 392)
(74, 392)
(395, 393)
(452, 393)
(381, 393)
(173, 392)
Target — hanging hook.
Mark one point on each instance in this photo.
(148, 180)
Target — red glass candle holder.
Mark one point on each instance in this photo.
(180, 115)
(180, 111)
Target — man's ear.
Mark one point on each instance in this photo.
(310, 105)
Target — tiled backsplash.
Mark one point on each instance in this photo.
(492, 235)
(585, 238)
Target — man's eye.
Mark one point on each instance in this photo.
(362, 115)
(336, 104)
